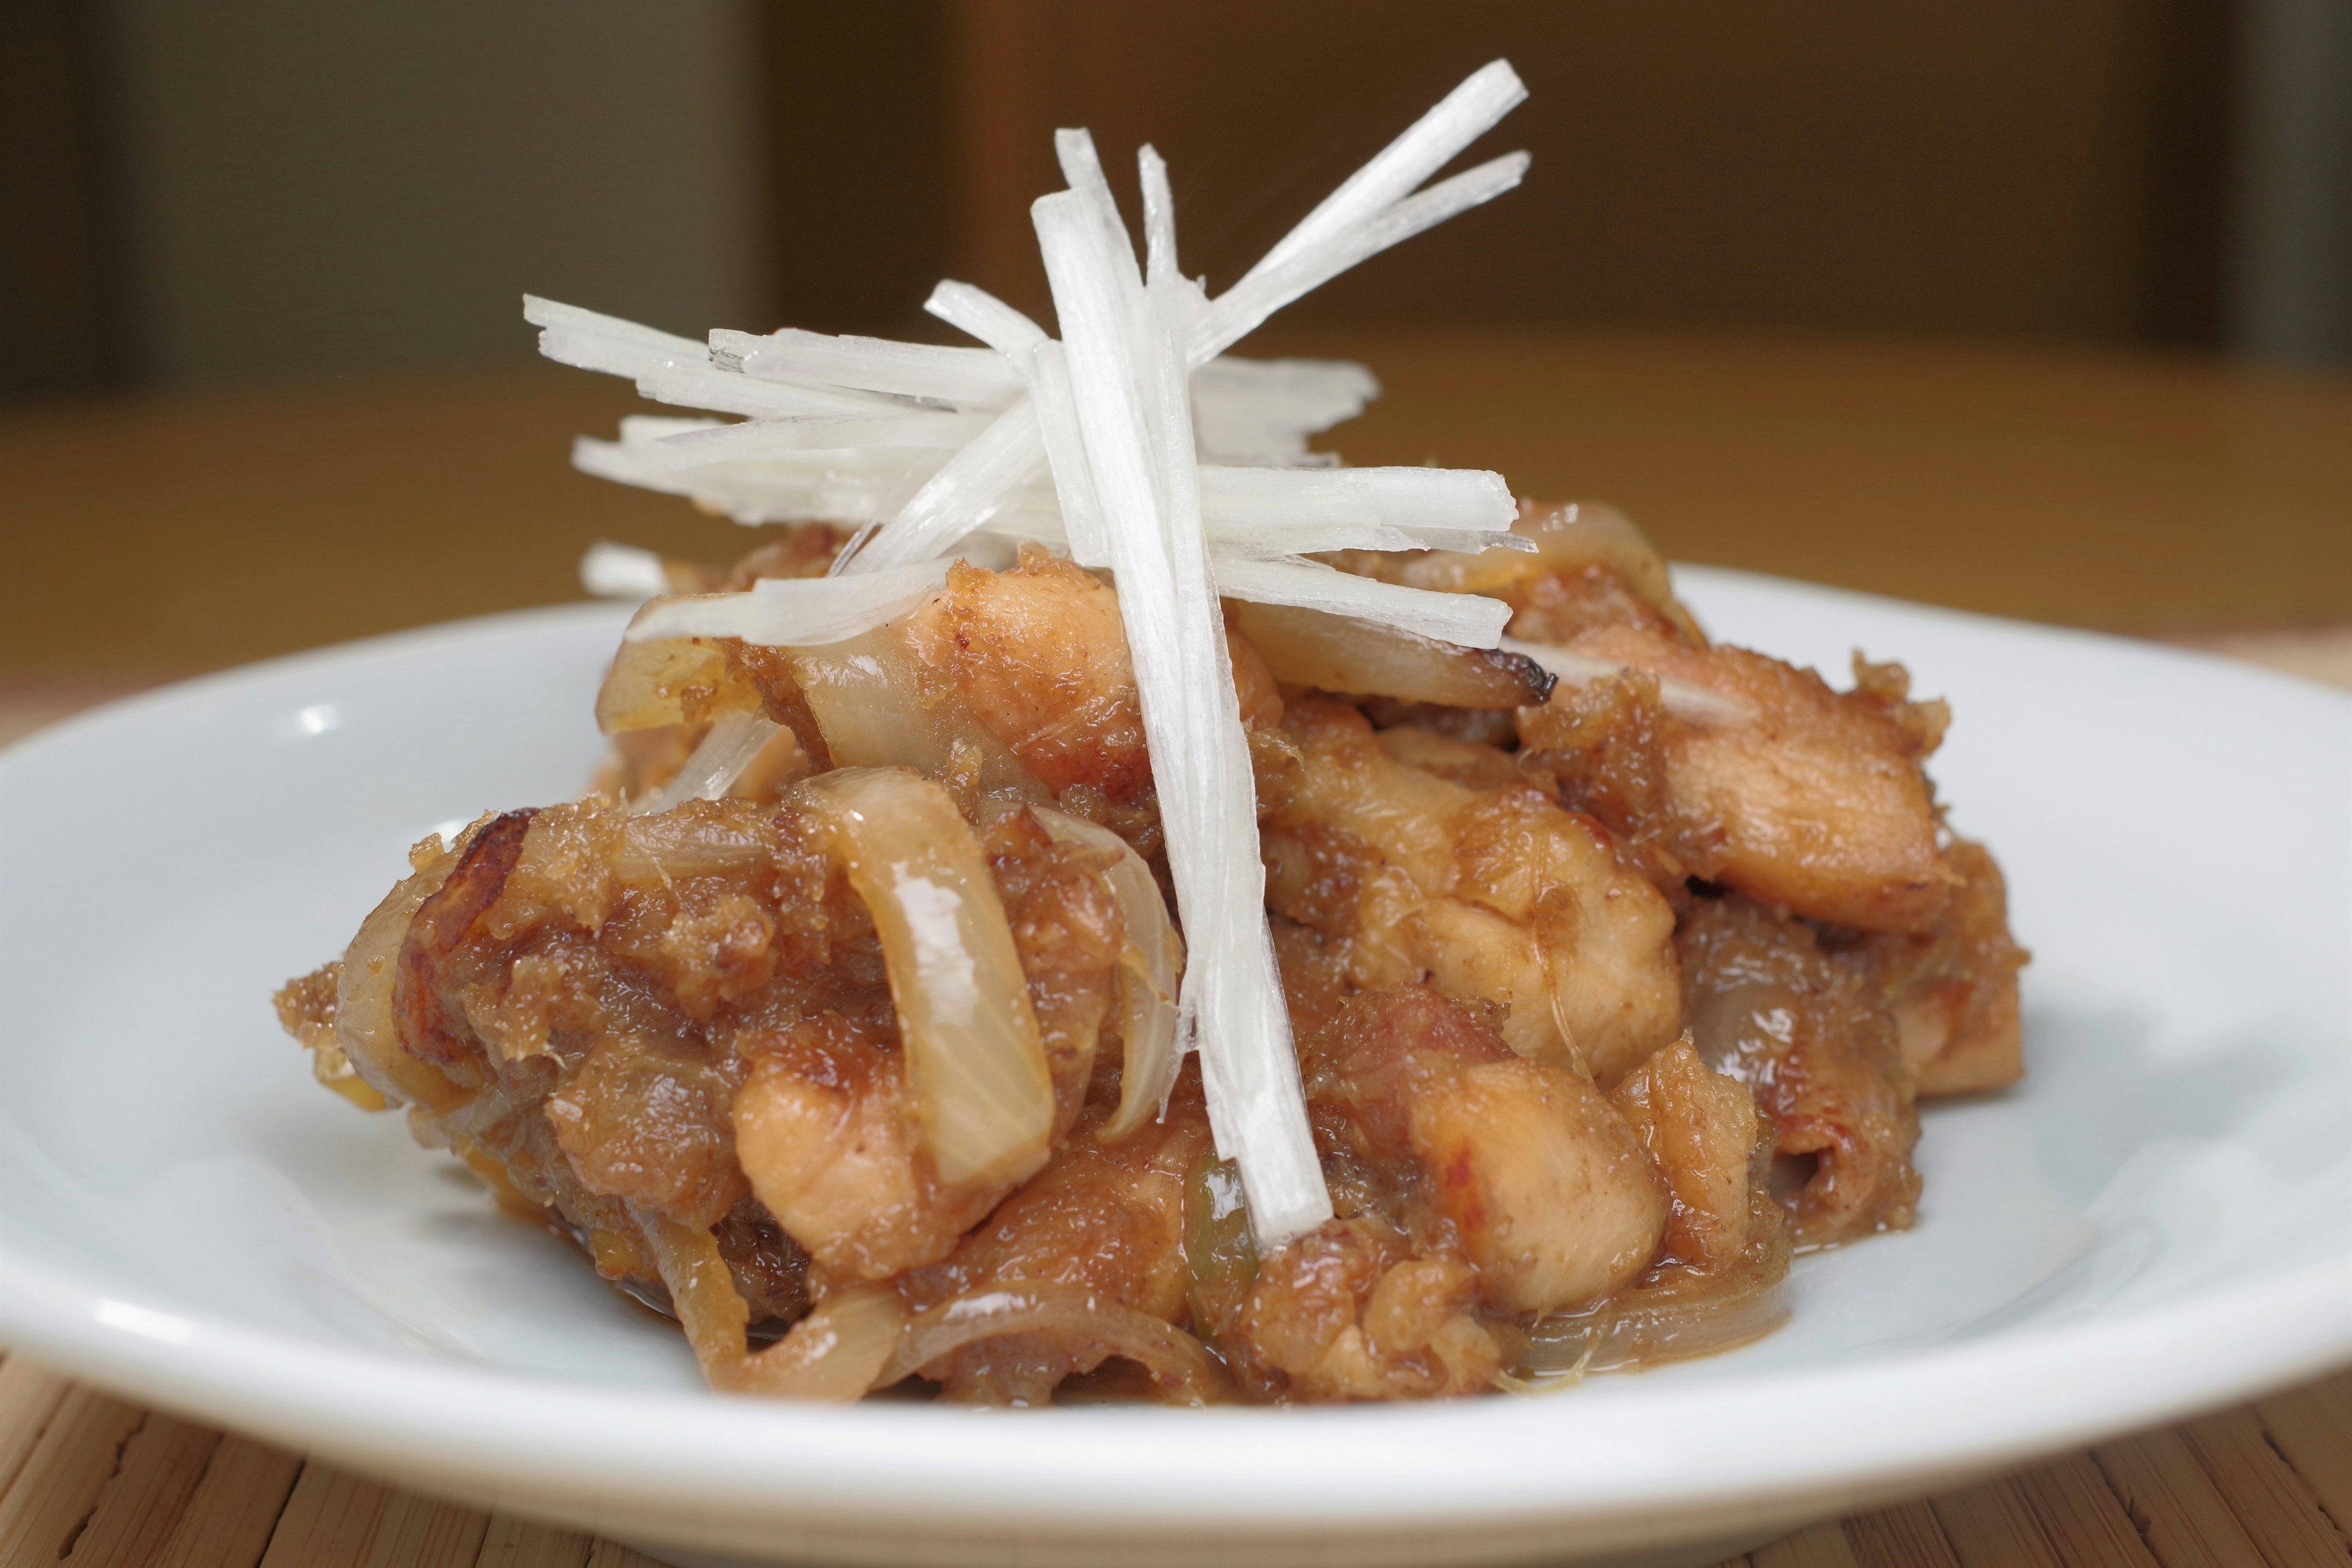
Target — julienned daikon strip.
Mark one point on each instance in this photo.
(1230, 1003)
(968, 490)
(1469, 620)
(611, 571)
(1685, 699)
(853, 488)
(792, 612)
(983, 1097)
(966, 378)
(1239, 310)
(1430, 143)
(764, 438)
(970, 309)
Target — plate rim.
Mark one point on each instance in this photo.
(400, 1414)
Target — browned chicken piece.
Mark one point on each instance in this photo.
(1106, 1220)
(1493, 895)
(1038, 655)
(622, 1015)
(1818, 804)
(1952, 988)
(1345, 1313)
(1801, 1028)
(1473, 1187)
(1702, 1129)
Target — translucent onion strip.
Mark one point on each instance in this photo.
(1366, 658)
(1147, 977)
(838, 1351)
(1685, 699)
(1183, 1371)
(983, 1099)
(732, 744)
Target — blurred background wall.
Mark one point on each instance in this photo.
(203, 192)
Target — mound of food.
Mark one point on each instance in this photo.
(1106, 906)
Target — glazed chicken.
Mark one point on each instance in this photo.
(1606, 997)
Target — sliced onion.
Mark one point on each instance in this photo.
(1699, 704)
(670, 680)
(983, 1097)
(1342, 653)
(1182, 1369)
(836, 1352)
(1692, 1316)
(1149, 968)
(731, 745)
(364, 1026)
(866, 697)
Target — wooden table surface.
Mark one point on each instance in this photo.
(145, 541)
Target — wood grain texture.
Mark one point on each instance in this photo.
(1822, 1545)
(2175, 1505)
(29, 1397)
(521, 1544)
(56, 1490)
(2313, 1428)
(2080, 1514)
(1991, 1526)
(1907, 1535)
(228, 1521)
(154, 1477)
(2275, 1505)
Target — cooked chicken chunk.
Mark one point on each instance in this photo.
(1494, 895)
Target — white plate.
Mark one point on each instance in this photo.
(2159, 1220)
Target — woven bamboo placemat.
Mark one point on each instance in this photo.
(88, 1480)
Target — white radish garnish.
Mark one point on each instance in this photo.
(792, 612)
(611, 571)
(1095, 445)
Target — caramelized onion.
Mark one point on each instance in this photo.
(364, 1026)
(1341, 653)
(1685, 1314)
(671, 680)
(1147, 971)
(867, 700)
(983, 1097)
(836, 1353)
(1183, 1371)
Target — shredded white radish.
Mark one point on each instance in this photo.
(760, 438)
(1700, 704)
(1094, 444)
(1130, 383)
(970, 309)
(793, 611)
(966, 378)
(612, 571)
(1470, 620)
